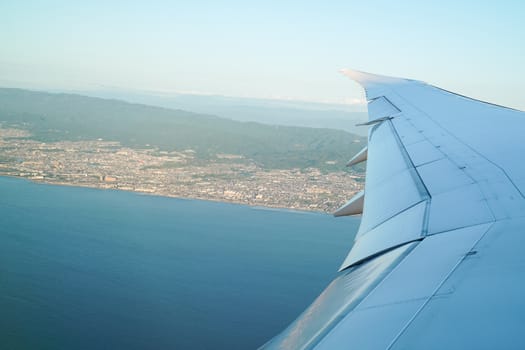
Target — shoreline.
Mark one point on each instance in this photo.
(178, 174)
(257, 206)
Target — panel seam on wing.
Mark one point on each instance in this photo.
(419, 180)
(433, 294)
(461, 142)
(447, 156)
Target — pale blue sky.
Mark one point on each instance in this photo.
(267, 49)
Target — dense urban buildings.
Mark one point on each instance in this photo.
(232, 178)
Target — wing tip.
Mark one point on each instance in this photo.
(365, 79)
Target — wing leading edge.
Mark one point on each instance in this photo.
(443, 215)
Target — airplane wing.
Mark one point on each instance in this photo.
(438, 261)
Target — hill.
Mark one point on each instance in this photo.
(58, 117)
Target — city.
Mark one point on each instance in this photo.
(229, 178)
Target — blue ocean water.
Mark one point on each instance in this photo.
(92, 269)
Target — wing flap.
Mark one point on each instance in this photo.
(407, 225)
(391, 307)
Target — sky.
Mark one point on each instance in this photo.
(264, 49)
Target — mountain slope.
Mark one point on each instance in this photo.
(57, 117)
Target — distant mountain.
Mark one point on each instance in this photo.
(57, 117)
(273, 112)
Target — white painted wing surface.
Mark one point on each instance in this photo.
(438, 260)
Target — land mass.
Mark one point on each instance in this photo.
(77, 140)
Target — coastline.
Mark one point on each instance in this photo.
(257, 206)
(227, 178)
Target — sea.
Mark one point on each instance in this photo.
(84, 268)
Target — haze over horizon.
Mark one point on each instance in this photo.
(270, 50)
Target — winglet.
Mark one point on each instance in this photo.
(373, 83)
(365, 79)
